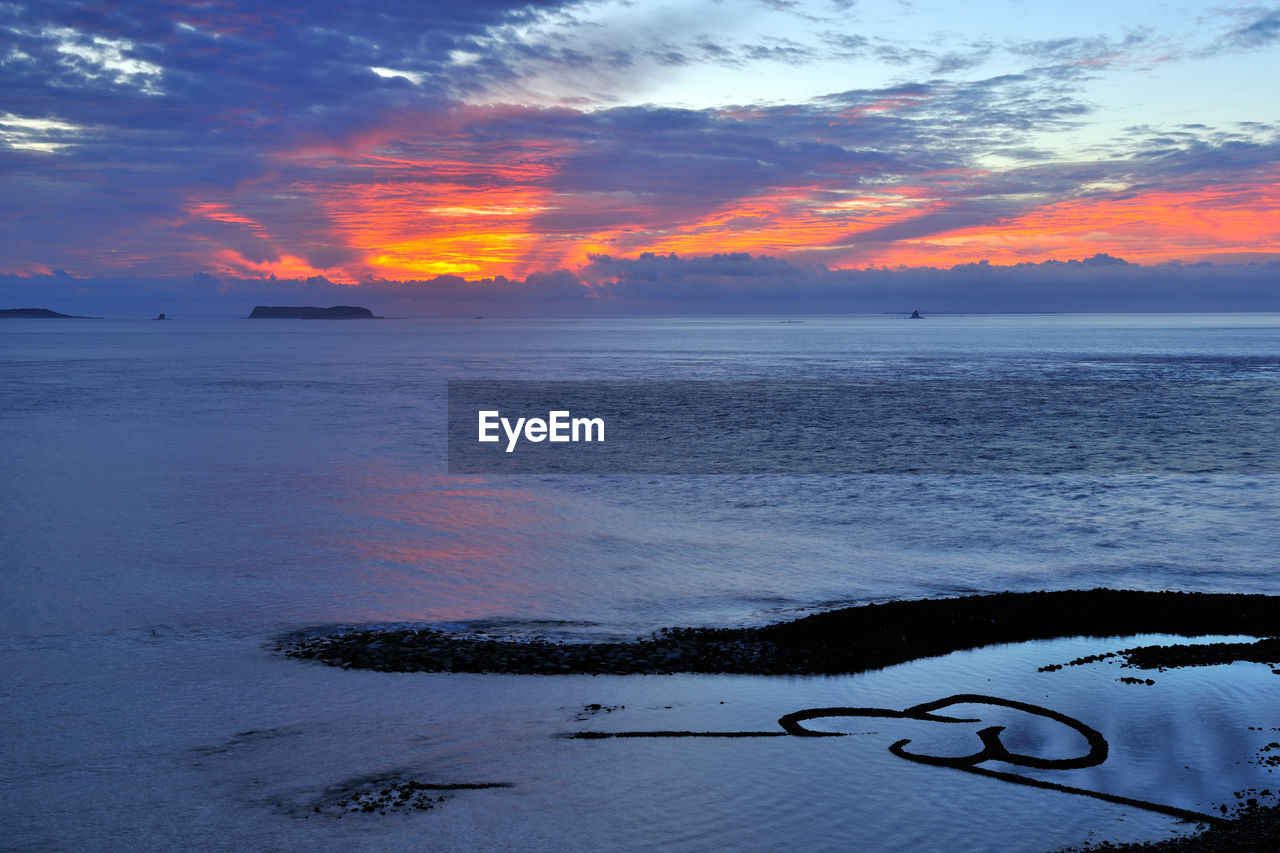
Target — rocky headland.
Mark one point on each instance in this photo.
(39, 313)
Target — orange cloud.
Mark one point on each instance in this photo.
(419, 230)
(1150, 227)
(232, 263)
(219, 212)
(437, 205)
(413, 201)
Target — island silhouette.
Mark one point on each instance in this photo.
(307, 312)
(38, 313)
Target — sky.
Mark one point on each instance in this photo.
(726, 152)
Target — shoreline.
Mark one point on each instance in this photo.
(868, 637)
(836, 642)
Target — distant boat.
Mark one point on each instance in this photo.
(915, 315)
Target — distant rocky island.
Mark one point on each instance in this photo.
(307, 312)
(37, 312)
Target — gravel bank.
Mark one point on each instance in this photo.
(853, 639)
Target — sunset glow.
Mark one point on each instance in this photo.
(525, 141)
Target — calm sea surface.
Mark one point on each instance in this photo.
(176, 494)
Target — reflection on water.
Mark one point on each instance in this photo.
(1188, 745)
(212, 473)
(264, 738)
(437, 549)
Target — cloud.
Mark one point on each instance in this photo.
(402, 189)
(1080, 51)
(358, 140)
(122, 119)
(1101, 283)
(351, 178)
(1262, 31)
(953, 61)
(726, 283)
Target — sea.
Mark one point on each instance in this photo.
(176, 496)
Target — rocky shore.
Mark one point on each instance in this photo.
(853, 639)
(857, 639)
(1254, 829)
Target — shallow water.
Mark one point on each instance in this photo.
(233, 749)
(176, 494)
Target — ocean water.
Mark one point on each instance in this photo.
(177, 494)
